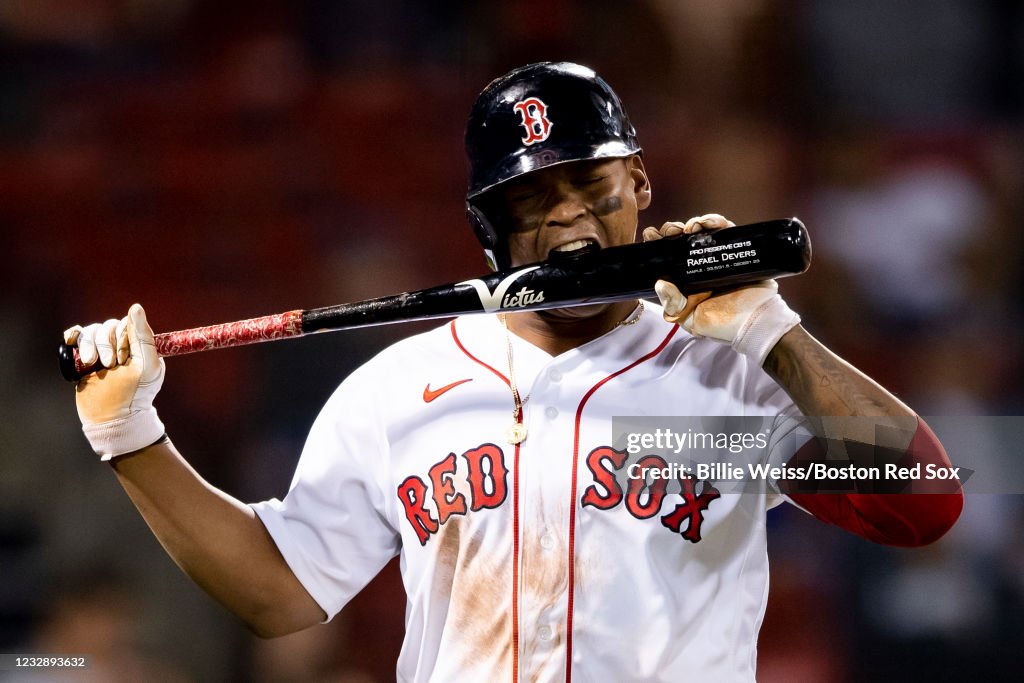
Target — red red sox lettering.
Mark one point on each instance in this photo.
(413, 491)
(604, 462)
(487, 476)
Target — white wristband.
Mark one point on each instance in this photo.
(124, 435)
(764, 328)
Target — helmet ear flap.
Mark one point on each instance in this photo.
(495, 249)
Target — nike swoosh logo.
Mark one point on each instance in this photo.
(430, 394)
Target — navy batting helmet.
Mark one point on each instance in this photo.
(533, 117)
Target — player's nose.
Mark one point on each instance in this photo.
(565, 208)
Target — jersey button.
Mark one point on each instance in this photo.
(555, 375)
(544, 633)
(547, 541)
(551, 412)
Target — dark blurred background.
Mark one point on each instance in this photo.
(216, 160)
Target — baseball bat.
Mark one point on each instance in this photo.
(699, 262)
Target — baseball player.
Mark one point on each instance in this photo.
(480, 451)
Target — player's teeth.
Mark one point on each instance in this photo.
(572, 246)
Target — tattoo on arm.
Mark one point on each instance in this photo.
(836, 398)
(822, 383)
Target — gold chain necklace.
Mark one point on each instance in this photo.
(517, 431)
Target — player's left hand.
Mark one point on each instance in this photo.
(751, 319)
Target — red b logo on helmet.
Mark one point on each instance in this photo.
(535, 120)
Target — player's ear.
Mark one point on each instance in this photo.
(641, 184)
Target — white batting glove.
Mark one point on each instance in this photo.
(751, 319)
(116, 404)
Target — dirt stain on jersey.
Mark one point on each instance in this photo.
(477, 585)
(544, 575)
(544, 596)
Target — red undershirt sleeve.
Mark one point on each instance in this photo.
(898, 519)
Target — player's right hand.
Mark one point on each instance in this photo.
(751, 318)
(115, 405)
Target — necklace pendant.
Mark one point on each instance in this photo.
(516, 433)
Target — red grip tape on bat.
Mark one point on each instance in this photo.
(181, 342)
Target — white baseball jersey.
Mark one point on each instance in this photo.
(526, 562)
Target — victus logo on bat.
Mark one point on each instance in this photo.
(501, 298)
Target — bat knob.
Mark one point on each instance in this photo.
(71, 367)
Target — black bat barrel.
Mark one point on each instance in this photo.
(719, 259)
(705, 261)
